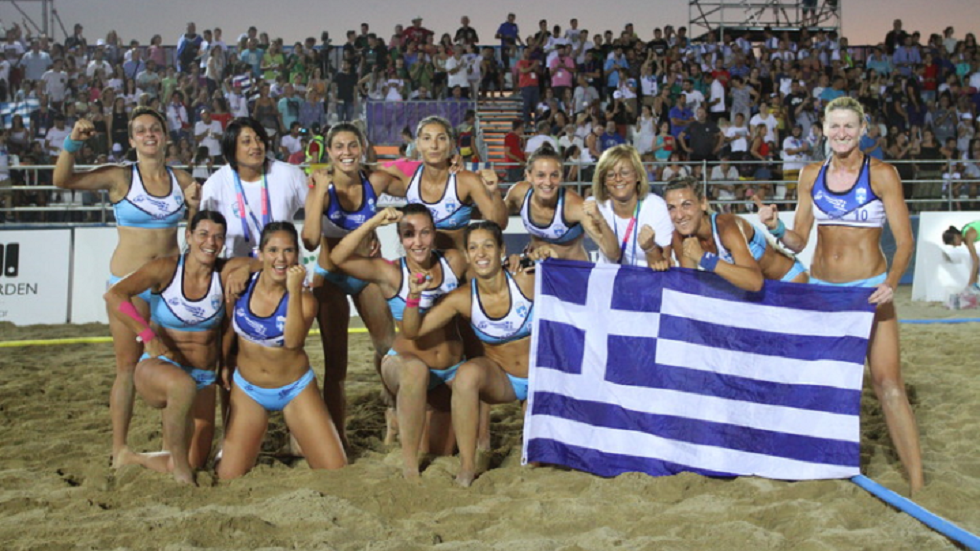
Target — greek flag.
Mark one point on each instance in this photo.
(638, 371)
(23, 108)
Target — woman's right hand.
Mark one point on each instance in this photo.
(418, 282)
(322, 178)
(386, 216)
(83, 130)
(768, 214)
(156, 348)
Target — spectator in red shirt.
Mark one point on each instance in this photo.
(527, 81)
(416, 33)
(514, 151)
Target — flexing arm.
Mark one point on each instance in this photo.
(316, 201)
(482, 189)
(794, 239)
(377, 270)
(515, 197)
(191, 190)
(65, 177)
(301, 308)
(414, 325)
(744, 273)
(587, 213)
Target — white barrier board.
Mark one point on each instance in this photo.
(940, 269)
(34, 279)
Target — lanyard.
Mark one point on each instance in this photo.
(631, 227)
(243, 206)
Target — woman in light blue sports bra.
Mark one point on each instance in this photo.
(344, 198)
(566, 217)
(449, 196)
(499, 306)
(850, 197)
(270, 321)
(149, 200)
(724, 243)
(181, 339)
(417, 372)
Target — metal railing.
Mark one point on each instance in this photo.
(34, 202)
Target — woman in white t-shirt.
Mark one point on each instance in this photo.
(252, 190)
(637, 217)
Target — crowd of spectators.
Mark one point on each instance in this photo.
(715, 109)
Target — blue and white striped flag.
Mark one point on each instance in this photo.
(23, 108)
(638, 371)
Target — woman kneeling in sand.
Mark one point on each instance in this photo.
(499, 307)
(415, 371)
(176, 372)
(271, 320)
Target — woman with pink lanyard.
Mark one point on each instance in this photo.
(637, 217)
(252, 190)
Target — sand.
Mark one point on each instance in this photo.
(57, 490)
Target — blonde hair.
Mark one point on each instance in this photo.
(848, 103)
(609, 159)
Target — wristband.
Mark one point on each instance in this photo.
(72, 146)
(146, 336)
(778, 231)
(708, 261)
(412, 302)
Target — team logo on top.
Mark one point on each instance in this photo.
(281, 323)
(861, 195)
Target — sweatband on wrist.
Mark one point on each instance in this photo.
(779, 230)
(72, 146)
(708, 261)
(128, 309)
(412, 302)
(146, 335)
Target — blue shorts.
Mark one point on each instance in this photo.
(146, 295)
(519, 384)
(437, 376)
(797, 269)
(870, 282)
(349, 285)
(274, 399)
(202, 377)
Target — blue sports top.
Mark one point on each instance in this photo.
(429, 296)
(757, 245)
(448, 213)
(857, 207)
(559, 231)
(515, 325)
(338, 222)
(139, 209)
(173, 310)
(266, 331)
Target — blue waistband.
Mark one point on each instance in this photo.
(797, 269)
(519, 384)
(274, 399)
(349, 285)
(437, 376)
(869, 282)
(202, 377)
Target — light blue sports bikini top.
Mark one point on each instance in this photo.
(140, 209)
(266, 331)
(338, 222)
(857, 207)
(757, 245)
(514, 325)
(448, 213)
(559, 231)
(175, 311)
(449, 282)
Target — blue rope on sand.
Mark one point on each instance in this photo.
(953, 320)
(921, 514)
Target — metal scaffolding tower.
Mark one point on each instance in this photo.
(721, 17)
(47, 18)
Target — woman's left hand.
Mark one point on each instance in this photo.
(883, 294)
(192, 196)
